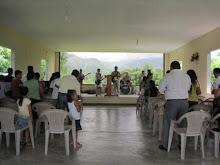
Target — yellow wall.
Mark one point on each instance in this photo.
(27, 51)
(203, 45)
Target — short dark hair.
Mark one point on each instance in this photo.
(152, 83)
(37, 75)
(23, 92)
(98, 69)
(30, 75)
(175, 65)
(69, 94)
(57, 74)
(17, 72)
(30, 68)
(216, 70)
(10, 69)
(75, 73)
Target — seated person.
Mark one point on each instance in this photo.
(15, 84)
(126, 79)
(153, 91)
(9, 77)
(2, 87)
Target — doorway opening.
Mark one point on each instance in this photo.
(44, 70)
(6, 61)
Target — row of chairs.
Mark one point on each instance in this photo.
(53, 119)
(198, 121)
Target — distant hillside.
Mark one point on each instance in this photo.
(88, 65)
(91, 64)
(141, 62)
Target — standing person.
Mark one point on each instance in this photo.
(41, 84)
(81, 77)
(66, 83)
(2, 87)
(9, 77)
(194, 90)
(53, 86)
(176, 86)
(216, 92)
(147, 83)
(30, 69)
(33, 90)
(153, 91)
(141, 79)
(24, 109)
(15, 84)
(98, 82)
(216, 84)
(75, 108)
(116, 80)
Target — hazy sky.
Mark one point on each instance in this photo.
(214, 54)
(111, 57)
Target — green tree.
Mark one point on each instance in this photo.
(5, 58)
(63, 67)
(157, 72)
(43, 69)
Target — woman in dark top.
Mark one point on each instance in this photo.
(153, 91)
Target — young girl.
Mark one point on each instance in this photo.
(24, 109)
(75, 107)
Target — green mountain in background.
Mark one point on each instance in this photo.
(88, 65)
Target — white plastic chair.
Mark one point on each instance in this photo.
(51, 101)
(195, 121)
(150, 108)
(201, 98)
(56, 118)
(201, 107)
(10, 105)
(216, 134)
(158, 117)
(39, 108)
(7, 117)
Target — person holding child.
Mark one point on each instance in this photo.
(24, 109)
(75, 107)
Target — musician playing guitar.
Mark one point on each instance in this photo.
(81, 77)
(98, 82)
(116, 80)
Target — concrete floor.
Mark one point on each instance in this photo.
(111, 135)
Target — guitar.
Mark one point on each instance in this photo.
(116, 78)
(97, 82)
(80, 78)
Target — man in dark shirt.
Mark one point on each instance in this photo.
(9, 77)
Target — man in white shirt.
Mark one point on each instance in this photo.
(24, 78)
(215, 87)
(66, 83)
(216, 84)
(53, 86)
(176, 86)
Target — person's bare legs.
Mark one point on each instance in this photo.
(77, 143)
(99, 90)
(27, 137)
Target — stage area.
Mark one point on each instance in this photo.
(110, 100)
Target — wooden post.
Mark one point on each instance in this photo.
(109, 85)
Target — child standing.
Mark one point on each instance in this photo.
(75, 107)
(24, 109)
